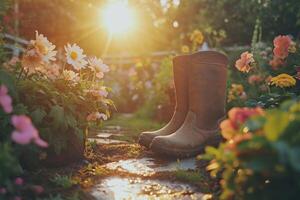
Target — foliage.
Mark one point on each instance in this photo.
(62, 181)
(4, 5)
(160, 97)
(237, 18)
(61, 103)
(146, 87)
(189, 176)
(261, 161)
(263, 85)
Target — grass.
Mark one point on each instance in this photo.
(189, 176)
(62, 181)
(199, 178)
(133, 124)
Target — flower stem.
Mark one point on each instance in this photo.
(20, 74)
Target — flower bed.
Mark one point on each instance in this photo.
(260, 156)
(47, 109)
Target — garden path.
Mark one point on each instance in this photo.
(144, 179)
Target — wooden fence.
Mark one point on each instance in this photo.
(17, 45)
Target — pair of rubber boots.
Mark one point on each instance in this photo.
(200, 86)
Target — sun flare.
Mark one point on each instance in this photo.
(118, 18)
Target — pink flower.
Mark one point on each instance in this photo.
(244, 64)
(25, 131)
(282, 44)
(38, 189)
(99, 93)
(298, 73)
(19, 181)
(5, 99)
(241, 115)
(255, 79)
(237, 117)
(3, 190)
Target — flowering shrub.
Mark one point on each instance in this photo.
(17, 131)
(63, 101)
(146, 87)
(271, 74)
(260, 157)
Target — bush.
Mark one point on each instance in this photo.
(260, 159)
(146, 88)
(261, 78)
(237, 18)
(62, 103)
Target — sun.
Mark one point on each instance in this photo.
(118, 18)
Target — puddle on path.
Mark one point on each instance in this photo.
(149, 166)
(116, 188)
(100, 133)
(106, 141)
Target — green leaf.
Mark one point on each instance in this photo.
(38, 115)
(294, 156)
(8, 81)
(58, 116)
(212, 151)
(70, 121)
(255, 123)
(276, 123)
(79, 133)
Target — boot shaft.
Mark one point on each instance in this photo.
(180, 73)
(207, 88)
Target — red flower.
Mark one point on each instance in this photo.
(276, 63)
(282, 44)
(237, 116)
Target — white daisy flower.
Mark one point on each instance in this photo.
(102, 116)
(98, 65)
(44, 47)
(70, 75)
(96, 116)
(75, 56)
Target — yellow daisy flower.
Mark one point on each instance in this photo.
(283, 80)
(185, 49)
(197, 37)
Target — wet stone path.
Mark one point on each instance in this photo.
(139, 186)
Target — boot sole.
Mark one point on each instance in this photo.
(145, 141)
(184, 153)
